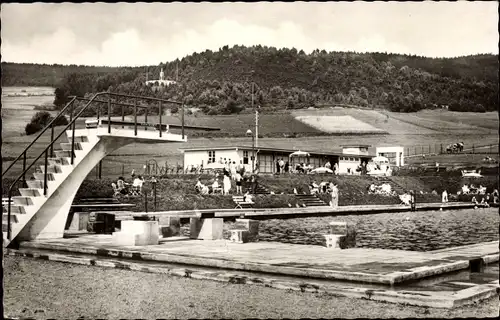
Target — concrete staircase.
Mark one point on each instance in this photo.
(34, 215)
(247, 186)
(310, 200)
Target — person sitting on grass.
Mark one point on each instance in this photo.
(137, 184)
(122, 186)
(314, 188)
(247, 197)
(215, 186)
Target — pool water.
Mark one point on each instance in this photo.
(414, 231)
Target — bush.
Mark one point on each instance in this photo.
(41, 119)
(32, 128)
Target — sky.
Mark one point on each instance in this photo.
(135, 34)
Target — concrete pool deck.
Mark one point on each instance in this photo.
(280, 213)
(376, 266)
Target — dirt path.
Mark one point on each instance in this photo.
(42, 289)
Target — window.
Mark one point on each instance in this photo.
(245, 157)
(211, 156)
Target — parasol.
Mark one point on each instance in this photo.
(299, 154)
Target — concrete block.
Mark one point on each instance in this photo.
(194, 227)
(169, 221)
(169, 226)
(338, 227)
(252, 226)
(211, 229)
(137, 233)
(80, 221)
(239, 236)
(346, 229)
(335, 241)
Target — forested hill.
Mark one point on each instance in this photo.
(219, 82)
(47, 75)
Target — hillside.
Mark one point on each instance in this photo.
(220, 82)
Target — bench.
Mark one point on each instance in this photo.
(240, 202)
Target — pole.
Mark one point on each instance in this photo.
(253, 153)
(154, 190)
(256, 128)
(182, 120)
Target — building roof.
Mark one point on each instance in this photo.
(312, 152)
(356, 145)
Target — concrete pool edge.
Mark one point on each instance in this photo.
(447, 299)
(392, 278)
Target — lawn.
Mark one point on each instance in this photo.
(488, 120)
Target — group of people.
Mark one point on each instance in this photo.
(129, 189)
(323, 187)
(384, 189)
(230, 173)
(471, 189)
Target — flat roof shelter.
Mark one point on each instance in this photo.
(394, 154)
(267, 158)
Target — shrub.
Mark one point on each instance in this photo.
(42, 119)
(32, 128)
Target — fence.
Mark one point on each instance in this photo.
(432, 149)
(115, 168)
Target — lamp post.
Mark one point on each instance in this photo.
(250, 133)
(154, 181)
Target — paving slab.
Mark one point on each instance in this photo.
(379, 266)
(446, 292)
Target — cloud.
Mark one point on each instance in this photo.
(139, 34)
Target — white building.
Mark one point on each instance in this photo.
(161, 80)
(267, 157)
(394, 154)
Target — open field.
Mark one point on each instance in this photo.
(339, 124)
(487, 120)
(422, 122)
(281, 130)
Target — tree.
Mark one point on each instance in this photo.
(61, 98)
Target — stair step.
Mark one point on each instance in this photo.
(63, 154)
(67, 146)
(41, 176)
(28, 192)
(58, 161)
(35, 184)
(13, 218)
(23, 201)
(52, 169)
(79, 139)
(15, 209)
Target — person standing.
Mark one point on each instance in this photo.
(412, 201)
(282, 164)
(277, 166)
(335, 196)
(227, 183)
(238, 179)
(254, 183)
(444, 196)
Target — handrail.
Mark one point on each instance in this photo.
(73, 123)
(39, 135)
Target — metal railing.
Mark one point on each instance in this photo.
(72, 125)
